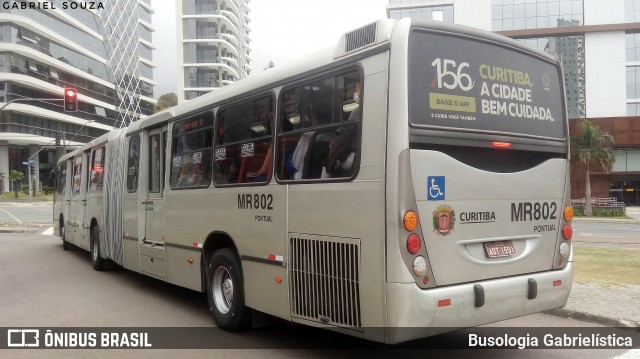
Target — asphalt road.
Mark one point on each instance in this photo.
(26, 213)
(618, 235)
(43, 286)
(599, 229)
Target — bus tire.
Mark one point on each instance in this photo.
(225, 291)
(65, 245)
(96, 260)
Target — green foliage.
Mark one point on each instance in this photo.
(600, 211)
(47, 189)
(25, 188)
(590, 146)
(608, 212)
(166, 101)
(16, 176)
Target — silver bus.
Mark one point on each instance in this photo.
(411, 180)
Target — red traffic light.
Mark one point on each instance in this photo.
(70, 99)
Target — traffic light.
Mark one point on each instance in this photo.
(70, 99)
(33, 170)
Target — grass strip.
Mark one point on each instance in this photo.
(606, 265)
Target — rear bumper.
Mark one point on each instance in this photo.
(414, 313)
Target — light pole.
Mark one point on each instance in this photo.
(31, 161)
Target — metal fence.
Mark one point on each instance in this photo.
(609, 202)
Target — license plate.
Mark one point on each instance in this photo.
(499, 249)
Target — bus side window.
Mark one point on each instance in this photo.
(319, 129)
(133, 163)
(192, 141)
(77, 174)
(62, 178)
(97, 170)
(243, 151)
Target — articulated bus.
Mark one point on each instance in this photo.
(411, 180)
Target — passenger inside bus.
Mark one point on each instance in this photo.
(304, 154)
(342, 150)
(264, 173)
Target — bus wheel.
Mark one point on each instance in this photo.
(65, 245)
(96, 260)
(225, 291)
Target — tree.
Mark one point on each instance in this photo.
(269, 65)
(166, 101)
(590, 148)
(16, 176)
(2, 176)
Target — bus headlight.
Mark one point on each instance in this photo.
(565, 248)
(420, 266)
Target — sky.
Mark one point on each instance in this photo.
(281, 31)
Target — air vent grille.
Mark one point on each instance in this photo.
(325, 282)
(360, 38)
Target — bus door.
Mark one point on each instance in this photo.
(95, 183)
(77, 209)
(62, 196)
(132, 232)
(152, 248)
(85, 220)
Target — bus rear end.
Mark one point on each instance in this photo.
(479, 212)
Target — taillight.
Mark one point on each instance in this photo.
(410, 221)
(420, 266)
(501, 145)
(568, 213)
(413, 243)
(567, 231)
(565, 249)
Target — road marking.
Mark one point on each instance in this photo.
(14, 217)
(48, 232)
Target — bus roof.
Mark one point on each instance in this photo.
(363, 39)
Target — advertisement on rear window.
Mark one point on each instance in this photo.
(458, 83)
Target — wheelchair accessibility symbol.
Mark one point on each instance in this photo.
(435, 188)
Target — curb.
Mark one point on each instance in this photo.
(19, 230)
(32, 228)
(594, 318)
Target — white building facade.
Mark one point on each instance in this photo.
(598, 43)
(102, 49)
(213, 45)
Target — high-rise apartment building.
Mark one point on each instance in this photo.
(598, 44)
(103, 49)
(213, 45)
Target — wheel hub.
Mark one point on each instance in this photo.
(222, 288)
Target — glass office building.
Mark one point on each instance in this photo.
(598, 44)
(213, 45)
(104, 52)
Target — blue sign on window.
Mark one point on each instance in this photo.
(435, 188)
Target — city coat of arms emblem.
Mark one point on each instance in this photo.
(444, 218)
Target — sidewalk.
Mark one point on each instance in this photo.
(615, 306)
